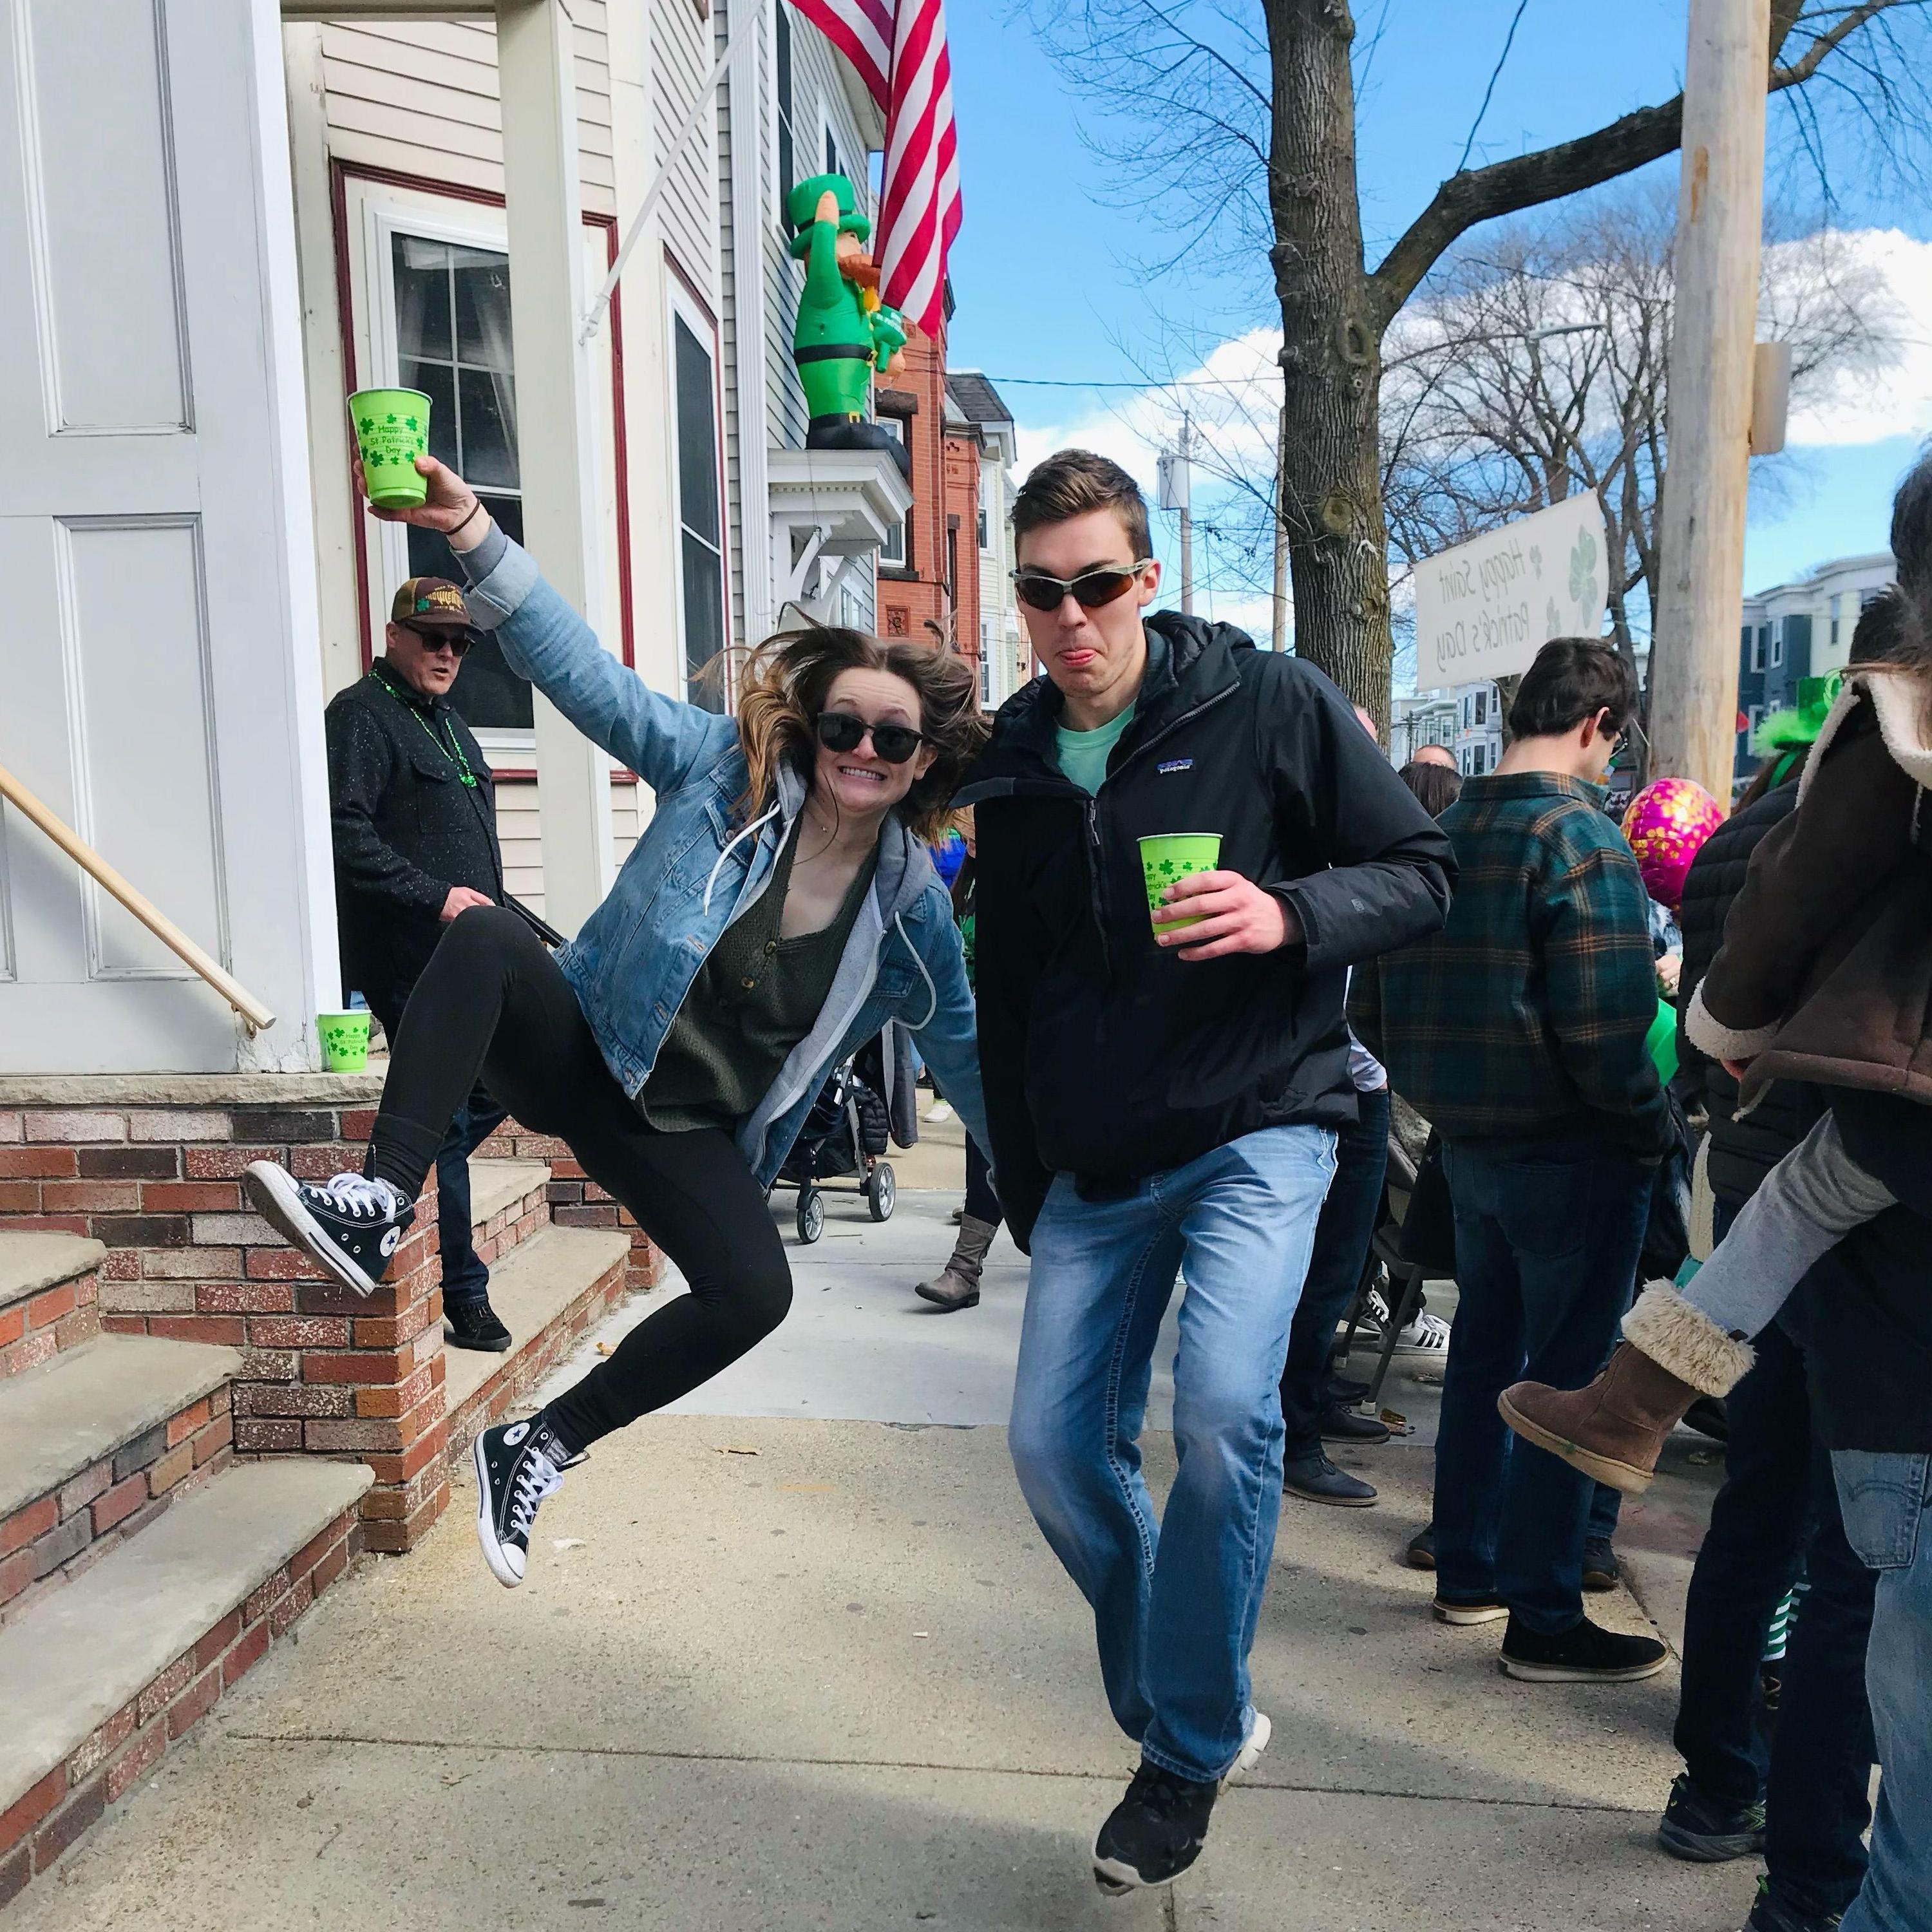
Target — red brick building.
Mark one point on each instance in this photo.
(928, 580)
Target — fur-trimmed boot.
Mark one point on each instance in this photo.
(1615, 1429)
(958, 1285)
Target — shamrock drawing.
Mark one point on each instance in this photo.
(1552, 619)
(389, 418)
(1536, 559)
(1583, 569)
(367, 424)
(409, 423)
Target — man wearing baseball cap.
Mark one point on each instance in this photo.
(413, 814)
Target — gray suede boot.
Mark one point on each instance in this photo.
(958, 1285)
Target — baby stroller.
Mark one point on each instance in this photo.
(844, 1135)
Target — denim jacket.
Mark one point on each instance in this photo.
(694, 871)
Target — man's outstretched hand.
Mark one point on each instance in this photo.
(1235, 915)
(450, 505)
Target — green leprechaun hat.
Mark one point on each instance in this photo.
(802, 209)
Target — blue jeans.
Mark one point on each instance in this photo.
(1778, 1506)
(1175, 1603)
(1547, 1237)
(1334, 1271)
(1887, 1500)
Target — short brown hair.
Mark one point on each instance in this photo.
(1071, 482)
(1573, 679)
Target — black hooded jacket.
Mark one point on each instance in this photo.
(1108, 1058)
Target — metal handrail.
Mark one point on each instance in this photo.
(255, 1016)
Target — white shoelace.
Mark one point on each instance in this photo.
(366, 1200)
(537, 1477)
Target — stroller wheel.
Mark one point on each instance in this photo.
(811, 1214)
(881, 1191)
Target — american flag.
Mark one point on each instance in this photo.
(899, 47)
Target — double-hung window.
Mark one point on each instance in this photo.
(701, 537)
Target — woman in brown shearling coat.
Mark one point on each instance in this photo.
(1825, 976)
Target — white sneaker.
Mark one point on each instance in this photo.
(1256, 1742)
(1427, 1334)
(939, 1110)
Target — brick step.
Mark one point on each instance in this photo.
(99, 1678)
(509, 1202)
(549, 1292)
(48, 1297)
(109, 1434)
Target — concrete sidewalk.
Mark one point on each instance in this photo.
(802, 1660)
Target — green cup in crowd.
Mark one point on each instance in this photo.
(391, 430)
(1166, 858)
(345, 1040)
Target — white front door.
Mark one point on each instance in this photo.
(160, 674)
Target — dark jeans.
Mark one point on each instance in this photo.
(1547, 1236)
(981, 1203)
(1334, 1270)
(1777, 1480)
(465, 1275)
(492, 1001)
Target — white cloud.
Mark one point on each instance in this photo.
(1896, 401)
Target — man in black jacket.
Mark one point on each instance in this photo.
(1163, 1097)
(413, 815)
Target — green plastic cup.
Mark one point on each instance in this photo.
(391, 430)
(345, 1040)
(1168, 857)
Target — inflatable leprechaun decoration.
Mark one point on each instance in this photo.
(844, 333)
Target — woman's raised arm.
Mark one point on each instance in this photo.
(660, 739)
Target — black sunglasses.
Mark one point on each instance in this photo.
(434, 640)
(840, 731)
(1090, 589)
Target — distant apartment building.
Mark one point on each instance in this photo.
(1796, 631)
(1467, 719)
(983, 425)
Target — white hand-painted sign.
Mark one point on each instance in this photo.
(1484, 609)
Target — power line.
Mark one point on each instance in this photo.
(1070, 382)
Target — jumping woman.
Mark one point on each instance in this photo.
(777, 911)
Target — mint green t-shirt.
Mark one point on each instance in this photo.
(1083, 754)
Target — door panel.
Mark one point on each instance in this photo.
(159, 662)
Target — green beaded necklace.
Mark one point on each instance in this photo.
(447, 745)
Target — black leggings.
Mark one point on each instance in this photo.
(492, 1002)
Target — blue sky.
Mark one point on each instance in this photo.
(1040, 271)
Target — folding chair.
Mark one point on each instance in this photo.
(1404, 1279)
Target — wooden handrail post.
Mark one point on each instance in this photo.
(256, 1016)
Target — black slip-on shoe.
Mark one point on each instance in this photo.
(1316, 1479)
(1342, 1424)
(1585, 1654)
(1601, 1569)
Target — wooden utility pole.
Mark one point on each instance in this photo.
(1187, 517)
(1701, 537)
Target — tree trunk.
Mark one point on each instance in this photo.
(1331, 503)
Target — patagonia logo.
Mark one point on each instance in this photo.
(1176, 765)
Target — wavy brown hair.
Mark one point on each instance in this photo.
(782, 687)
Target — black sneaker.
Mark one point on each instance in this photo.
(1342, 1424)
(1155, 1832)
(1316, 1479)
(1770, 1914)
(1707, 1831)
(351, 1225)
(516, 1466)
(1585, 1654)
(1600, 1567)
(473, 1324)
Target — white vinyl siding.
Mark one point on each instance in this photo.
(681, 61)
(421, 97)
(520, 832)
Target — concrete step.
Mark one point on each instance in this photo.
(109, 1435)
(99, 1678)
(548, 1291)
(47, 1297)
(508, 1203)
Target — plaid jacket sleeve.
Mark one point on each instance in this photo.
(1601, 988)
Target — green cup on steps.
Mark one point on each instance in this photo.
(1167, 858)
(345, 1040)
(391, 430)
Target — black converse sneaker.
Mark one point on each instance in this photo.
(516, 1466)
(1155, 1832)
(350, 1224)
